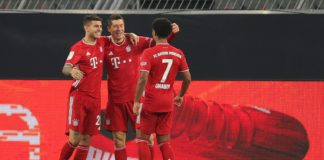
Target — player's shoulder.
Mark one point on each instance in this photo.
(148, 51)
(177, 50)
(103, 40)
(78, 45)
(144, 38)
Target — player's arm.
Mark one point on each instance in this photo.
(133, 38)
(175, 30)
(69, 68)
(141, 83)
(74, 72)
(184, 87)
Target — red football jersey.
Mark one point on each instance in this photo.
(122, 63)
(89, 59)
(163, 62)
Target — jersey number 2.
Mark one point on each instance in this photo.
(167, 70)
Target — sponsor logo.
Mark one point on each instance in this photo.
(70, 56)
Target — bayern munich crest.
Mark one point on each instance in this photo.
(75, 122)
(128, 49)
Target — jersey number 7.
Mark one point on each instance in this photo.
(167, 70)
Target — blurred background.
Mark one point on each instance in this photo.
(267, 53)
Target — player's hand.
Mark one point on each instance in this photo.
(178, 101)
(175, 28)
(136, 107)
(76, 73)
(133, 38)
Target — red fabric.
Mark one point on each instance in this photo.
(83, 113)
(151, 151)
(163, 62)
(118, 115)
(143, 150)
(81, 153)
(89, 59)
(152, 122)
(122, 63)
(120, 154)
(167, 151)
(66, 151)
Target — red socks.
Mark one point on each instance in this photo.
(67, 151)
(167, 151)
(151, 147)
(120, 153)
(81, 152)
(144, 152)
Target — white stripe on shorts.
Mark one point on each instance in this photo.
(70, 109)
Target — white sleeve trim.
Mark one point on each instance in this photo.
(70, 63)
(144, 70)
(184, 70)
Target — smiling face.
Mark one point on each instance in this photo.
(117, 29)
(93, 29)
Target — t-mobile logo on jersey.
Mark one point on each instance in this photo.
(94, 62)
(115, 61)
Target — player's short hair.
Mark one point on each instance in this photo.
(88, 18)
(162, 27)
(114, 17)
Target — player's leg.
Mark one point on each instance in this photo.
(145, 128)
(136, 124)
(142, 141)
(72, 129)
(73, 142)
(83, 147)
(165, 146)
(151, 145)
(163, 132)
(119, 138)
(91, 126)
(116, 122)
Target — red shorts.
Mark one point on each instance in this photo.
(83, 114)
(155, 122)
(118, 115)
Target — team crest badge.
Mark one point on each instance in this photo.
(128, 49)
(75, 122)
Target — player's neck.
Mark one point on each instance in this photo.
(161, 41)
(118, 41)
(89, 40)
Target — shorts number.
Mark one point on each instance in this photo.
(98, 122)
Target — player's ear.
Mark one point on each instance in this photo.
(108, 28)
(85, 28)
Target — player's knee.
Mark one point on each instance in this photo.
(74, 137)
(85, 140)
(74, 140)
(119, 139)
(163, 139)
